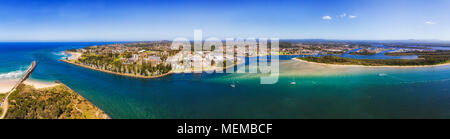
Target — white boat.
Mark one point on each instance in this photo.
(293, 83)
(232, 86)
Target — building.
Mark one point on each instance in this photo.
(154, 59)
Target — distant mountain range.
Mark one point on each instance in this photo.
(443, 43)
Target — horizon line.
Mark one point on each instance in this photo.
(24, 41)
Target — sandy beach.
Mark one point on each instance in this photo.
(40, 84)
(73, 55)
(418, 66)
(7, 84)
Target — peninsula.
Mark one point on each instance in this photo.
(58, 102)
(146, 59)
(426, 58)
(30, 99)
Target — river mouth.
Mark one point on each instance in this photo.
(318, 92)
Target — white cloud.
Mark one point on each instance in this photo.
(430, 22)
(326, 17)
(351, 16)
(343, 15)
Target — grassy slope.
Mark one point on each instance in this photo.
(1, 99)
(58, 102)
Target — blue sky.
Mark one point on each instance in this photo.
(116, 20)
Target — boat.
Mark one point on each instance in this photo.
(293, 83)
(232, 86)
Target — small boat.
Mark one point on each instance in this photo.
(382, 74)
(293, 83)
(232, 86)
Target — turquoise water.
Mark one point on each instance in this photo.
(348, 93)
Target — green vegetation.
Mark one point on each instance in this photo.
(400, 54)
(2, 96)
(112, 62)
(425, 58)
(58, 102)
(363, 52)
(441, 56)
(335, 52)
(441, 53)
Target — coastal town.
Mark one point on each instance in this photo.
(149, 59)
(338, 47)
(153, 59)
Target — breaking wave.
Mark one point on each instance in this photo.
(60, 53)
(12, 75)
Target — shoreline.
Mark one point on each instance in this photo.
(150, 77)
(146, 77)
(115, 73)
(77, 55)
(385, 66)
(105, 115)
(73, 55)
(40, 84)
(209, 69)
(6, 85)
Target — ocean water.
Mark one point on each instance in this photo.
(319, 92)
